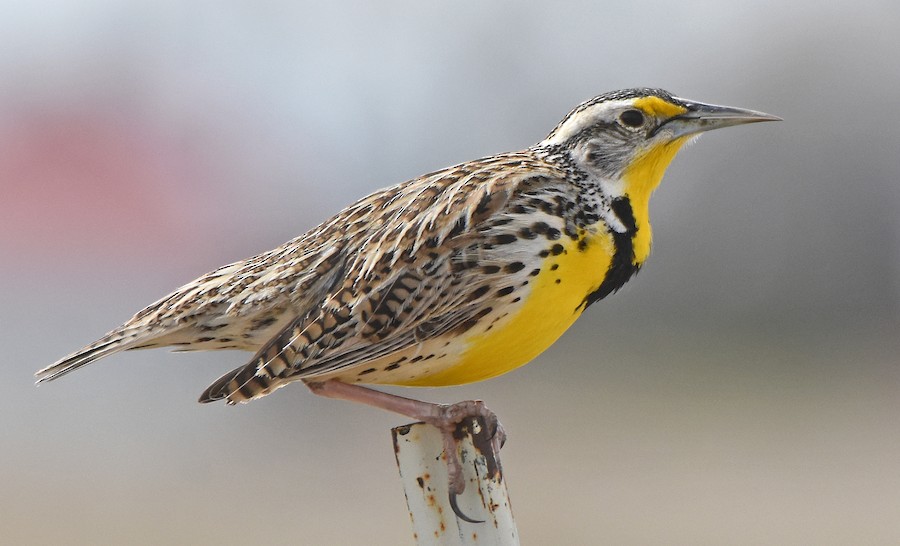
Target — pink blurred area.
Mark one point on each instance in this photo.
(95, 184)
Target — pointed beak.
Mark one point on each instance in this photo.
(702, 117)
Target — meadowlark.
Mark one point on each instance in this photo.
(456, 276)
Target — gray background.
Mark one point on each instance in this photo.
(743, 389)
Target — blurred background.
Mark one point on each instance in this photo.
(743, 389)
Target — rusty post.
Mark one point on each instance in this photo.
(423, 471)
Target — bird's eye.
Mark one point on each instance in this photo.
(631, 118)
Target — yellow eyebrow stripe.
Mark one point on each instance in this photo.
(659, 108)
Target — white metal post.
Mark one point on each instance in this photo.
(423, 471)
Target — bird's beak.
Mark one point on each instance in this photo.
(702, 117)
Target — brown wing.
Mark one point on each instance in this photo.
(412, 273)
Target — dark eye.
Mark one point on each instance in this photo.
(631, 118)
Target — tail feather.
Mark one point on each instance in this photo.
(111, 343)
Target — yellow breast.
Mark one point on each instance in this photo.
(552, 305)
(558, 293)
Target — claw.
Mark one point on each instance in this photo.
(492, 430)
(496, 433)
(459, 513)
(454, 469)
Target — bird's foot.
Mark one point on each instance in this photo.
(450, 419)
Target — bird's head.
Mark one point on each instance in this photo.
(632, 135)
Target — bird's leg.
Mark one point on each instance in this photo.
(446, 417)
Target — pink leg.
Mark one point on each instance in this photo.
(443, 416)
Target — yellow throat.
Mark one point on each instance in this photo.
(641, 178)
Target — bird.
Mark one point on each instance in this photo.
(453, 277)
